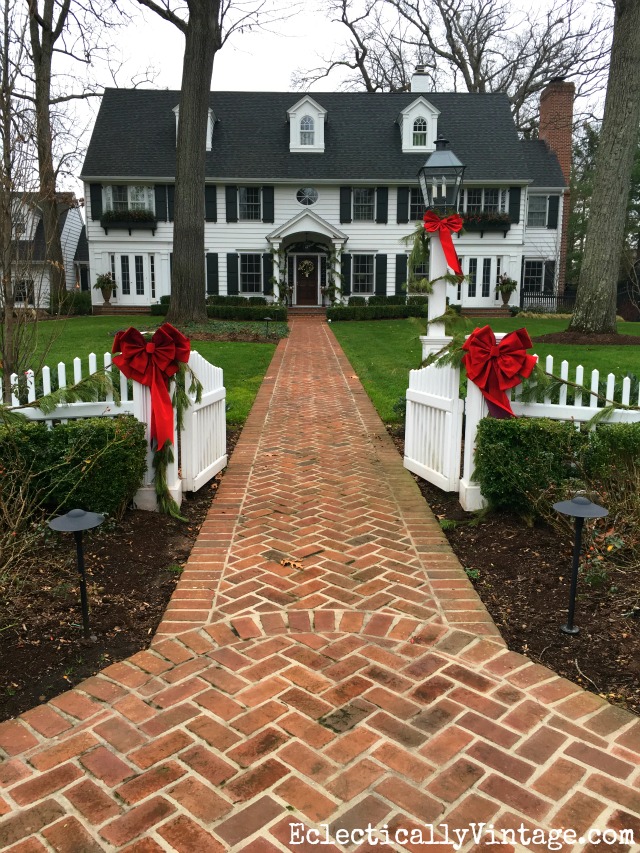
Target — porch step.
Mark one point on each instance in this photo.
(498, 311)
(121, 309)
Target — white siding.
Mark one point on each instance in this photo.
(69, 239)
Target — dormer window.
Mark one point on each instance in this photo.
(306, 125)
(420, 132)
(307, 128)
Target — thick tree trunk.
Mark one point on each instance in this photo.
(595, 310)
(42, 49)
(202, 40)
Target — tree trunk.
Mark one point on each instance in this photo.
(595, 310)
(188, 289)
(42, 49)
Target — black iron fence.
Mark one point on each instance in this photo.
(547, 303)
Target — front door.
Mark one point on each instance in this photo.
(306, 280)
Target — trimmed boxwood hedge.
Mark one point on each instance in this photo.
(376, 312)
(226, 311)
(95, 464)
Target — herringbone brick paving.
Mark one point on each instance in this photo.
(323, 661)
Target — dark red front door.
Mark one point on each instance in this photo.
(307, 280)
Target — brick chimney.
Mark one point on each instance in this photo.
(556, 124)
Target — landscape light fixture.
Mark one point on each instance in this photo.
(75, 521)
(580, 507)
(441, 179)
(267, 321)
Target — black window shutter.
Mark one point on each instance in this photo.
(401, 274)
(345, 204)
(548, 285)
(231, 199)
(382, 204)
(232, 275)
(171, 192)
(346, 275)
(160, 193)
(212, 274)
(210, 204)
(403, 205)
(514, 204)
(554, 206)
(267, 204)
(95, 195)
(381, 275)
(267, 273)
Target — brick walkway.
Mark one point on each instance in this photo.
(324, 660)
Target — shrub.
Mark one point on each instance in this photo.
(227, 300)
(357, 300)
(247, 312)
(165, 300)
(158, 310)
(377, 300)
(416, 299)
(74, 302)
(376, 312)
(258, 300)
(95, 464)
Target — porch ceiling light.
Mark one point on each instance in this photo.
(441, 178)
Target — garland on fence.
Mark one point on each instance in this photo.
(538, 383)
(154, 363)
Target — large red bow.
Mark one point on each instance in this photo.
(153, 362)
(496, 367)
(445, 227)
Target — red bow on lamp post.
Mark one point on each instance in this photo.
(152, 363)
(496, 367)
(445, 227)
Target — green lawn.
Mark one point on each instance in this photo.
(244, 364)
(383, 351)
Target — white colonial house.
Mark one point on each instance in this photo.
(30, 270)
(300, 187)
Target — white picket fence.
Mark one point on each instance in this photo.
(201, 444)
(433, 440)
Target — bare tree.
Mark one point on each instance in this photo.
(595, 310)
(471, 45)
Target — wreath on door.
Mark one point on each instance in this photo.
(306, 268)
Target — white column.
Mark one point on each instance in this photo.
(145, 498)
(338, 245)
(276, 269)
(435, 338)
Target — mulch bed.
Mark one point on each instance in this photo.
(132, 568)
(522, 575)
(244, 337)
(613, 340)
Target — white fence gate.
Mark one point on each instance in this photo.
(433, 432)
(200, 446)
(433, 439)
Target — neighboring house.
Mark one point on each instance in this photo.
(30, 271)
(301, 188)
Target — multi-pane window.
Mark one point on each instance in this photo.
(498, 269)
(121, 197)
(420, 132)
(416, 205)
(24, 291)
(363, 273)
(126, 278)
(533, 276)
(486, 277)
(489, 200)
(112, 267)
(307, 127)
(537, 211)
(139, 269)
(472, 277)
(152, 275)
(250, 273)
(249, 206)
(364, 204)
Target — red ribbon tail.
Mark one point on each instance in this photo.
(449, 250)
(161, 411)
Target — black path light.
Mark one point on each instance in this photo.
(580, 507)
(75, 521)
(267, 320)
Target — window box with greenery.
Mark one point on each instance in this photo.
(129, 220)
(505, 287)
(106, 284)
(484, 221)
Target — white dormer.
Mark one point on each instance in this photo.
(211, 120)
(419, 126)
(306, 126)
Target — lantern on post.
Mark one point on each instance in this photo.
(441, 185)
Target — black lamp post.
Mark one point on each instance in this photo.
(267, 321)
(441, 178)
(580, 507)
(75, 521)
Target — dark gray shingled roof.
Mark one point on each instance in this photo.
(542, 164)
(82, 249)
(135, 137)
